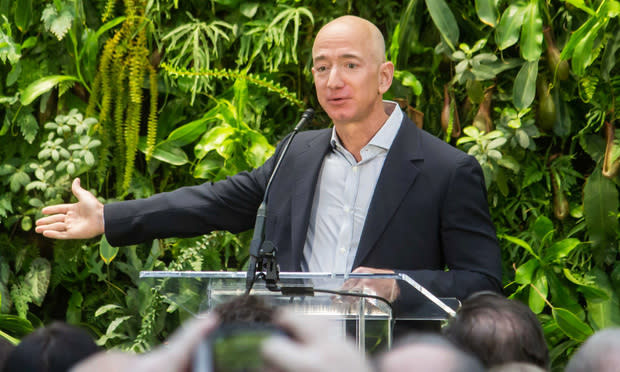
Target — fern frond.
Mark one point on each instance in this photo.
(108, 10)
(151, 134)
(269, 85)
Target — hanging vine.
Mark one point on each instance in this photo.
(118, 94)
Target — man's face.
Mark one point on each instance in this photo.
(348, 74)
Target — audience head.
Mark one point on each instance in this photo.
(427, 352)
(53, 348)
(498, 331)
(600, 353)
(246, 309)
(517, 367)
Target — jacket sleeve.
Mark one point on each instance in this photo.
(229, 204)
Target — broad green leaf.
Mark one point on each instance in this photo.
(15, 325)
(213, 140)
(208, 166)
(168, 153)
(560, 249)
(23, 15)
(541, 228)
(571, 325)
(524, 89)
(240, 87)
(487, 11)
(608, 61)
(525, 273)
(585, 53)
(38, 279)
(603, 313)
(188, 133)
(249, 9)
(106, 251)
(259, 150)
(109, 25)
(444, 21)
(538, 292)
(519, 242)
(105, 308)
(580, 4)
(576, 37)
(507, 31)
(165, 151)
(531, 33)
(43, 85)
(26, 223)
(600, 204)
(74, 308)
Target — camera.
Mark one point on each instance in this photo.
(234, 347)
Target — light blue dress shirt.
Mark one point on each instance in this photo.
(342, 197)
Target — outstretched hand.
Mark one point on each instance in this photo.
(81, 220)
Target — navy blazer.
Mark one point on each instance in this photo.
(428, 216)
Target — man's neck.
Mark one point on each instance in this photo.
(355, 135)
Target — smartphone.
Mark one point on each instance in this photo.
(234, 348)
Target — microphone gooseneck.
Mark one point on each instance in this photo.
(262, 253)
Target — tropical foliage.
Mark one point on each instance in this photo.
(138, 97)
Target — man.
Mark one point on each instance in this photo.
(374, 194)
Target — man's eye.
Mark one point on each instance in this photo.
(321, 68)
(351, 65)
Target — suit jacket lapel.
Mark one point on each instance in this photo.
(397, 176)
(308, 163)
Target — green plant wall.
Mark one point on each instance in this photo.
(138, 97)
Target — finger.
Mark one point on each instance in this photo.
(50, 220)
(58, 208)
(363, 270)
(53, 234)
(78, 191)
(351, 283)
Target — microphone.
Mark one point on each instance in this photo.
(262, 253)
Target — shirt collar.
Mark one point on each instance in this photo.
(386, 134)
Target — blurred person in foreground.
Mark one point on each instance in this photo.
(600, 353)
(498, 330)
(53, 348)
(427, 352)
(306, 349)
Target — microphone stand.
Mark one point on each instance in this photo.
(262, 252)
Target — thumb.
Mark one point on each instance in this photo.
(77, 190)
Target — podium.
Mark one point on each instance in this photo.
(368, 320)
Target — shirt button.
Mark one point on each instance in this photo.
(355, 168)
(342, 250)
(347, 209)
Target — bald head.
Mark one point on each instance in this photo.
(359, 27)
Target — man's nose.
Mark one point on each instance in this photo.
(334, 79)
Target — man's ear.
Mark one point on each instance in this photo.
(386, 74)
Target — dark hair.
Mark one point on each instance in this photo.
(600, 352)
(498, 330)
(55, 348)
(246, 309)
